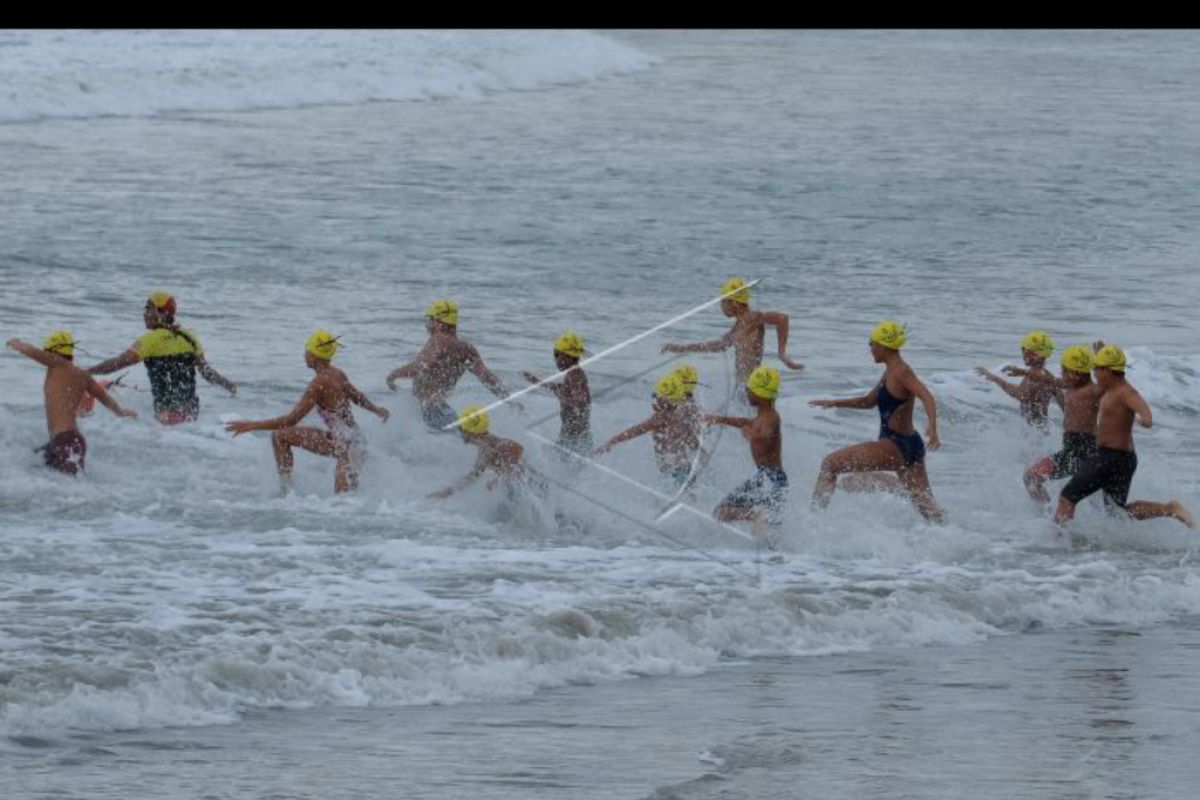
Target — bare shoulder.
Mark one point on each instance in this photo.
(1042, 375)
(72, 372)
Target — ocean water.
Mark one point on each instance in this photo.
(170, 626)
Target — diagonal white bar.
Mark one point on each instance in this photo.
(609, 351)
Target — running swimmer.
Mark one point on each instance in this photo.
(1079, 398)
(676, 432)
(761, 498)
(65, 386)
(899, 448)
(331, 394)
(747, 334)
(574, 397)
(439, 365)
(1037, 386)
(1111, 469)
(502, 456)
(173, 356)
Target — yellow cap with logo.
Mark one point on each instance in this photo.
(889, 334)
(1039, 343)
(764, 382)
(1077, 358)
(323, 345)
(443, 311)
(740, 294)
(670, 387)
(474, 420)
(689, 376)
(61, 342)
(570, 343)
(1110, 357)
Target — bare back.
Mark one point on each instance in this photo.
(747, 335)
(575, 400)
(64, 389)
(1037, 389)
(503, 456)
(765, 434)
(440, 365)
(1115, 426)
(332, 391)
(676, 434)
(1081, 405)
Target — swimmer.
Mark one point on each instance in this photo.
(64, 388)
(173, 355)
(574, 397)
(1037, 386)
(331, 393)
(440, 364)
(760, 499)
(899, 448)
(1111, 469)
(747, 335)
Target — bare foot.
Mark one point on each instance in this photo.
(1181, 513)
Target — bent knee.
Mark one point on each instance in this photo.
(832, 464)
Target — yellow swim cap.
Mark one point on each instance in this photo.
(323, 345)
(443, 311)
(163, 301)
(890, 334)
(570, 343)
(764, 382)
(739, 295)
(61, 342)
(473, 420)
(1039, 343)
(689, 376)
(1077, 358)
(670, 387)
(1111, 357)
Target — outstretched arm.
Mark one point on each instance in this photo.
(360, 399)
(43, 357)
(96, 390)
(1014, 391)
(212, 376)
(407, 371)
(918, 389)
(627, 434)
(488, 378)
(733, 422)
(126, 359)
(781, 323)
(554, 388)
(868, 400)
(307, 402)
(715, 346)
(464, 481)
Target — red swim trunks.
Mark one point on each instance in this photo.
(66, 452)
(174, 417)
